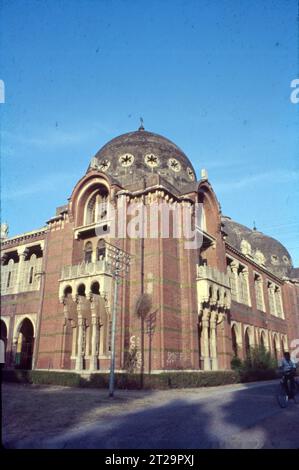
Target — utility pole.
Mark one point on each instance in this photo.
(119, 261)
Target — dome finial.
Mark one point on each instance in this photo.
(204, 174)
(254, 226)
(141, 128)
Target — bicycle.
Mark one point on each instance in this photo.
(287, 390)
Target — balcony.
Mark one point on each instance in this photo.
(212, 274)
(99, 229)
(212, 287)
(84, 270)
(86, 274)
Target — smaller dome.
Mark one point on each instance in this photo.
(265, 250)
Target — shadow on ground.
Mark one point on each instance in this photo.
(57, 417)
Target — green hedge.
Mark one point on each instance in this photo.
(123, 381)
(164, 380)
(69, 379)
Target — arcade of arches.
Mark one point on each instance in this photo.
(86, 331)
(244, 338)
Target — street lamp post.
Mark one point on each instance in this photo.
(119, 262)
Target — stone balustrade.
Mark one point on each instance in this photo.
(212, 274)
(84, 269)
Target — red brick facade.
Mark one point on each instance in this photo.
(195, 321)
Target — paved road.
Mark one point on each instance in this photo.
(235, 416)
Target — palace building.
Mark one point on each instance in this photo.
(176, 308)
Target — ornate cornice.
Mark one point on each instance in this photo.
(24, 237)
(253, 263)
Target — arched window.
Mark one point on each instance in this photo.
(25, 345)
(263, 340)
(90, 210)
(259, 295)
(96, 209)
(88, 252)
(67, 291)
(95, 288)
(81, 290)
(243, 285)
(101, 250)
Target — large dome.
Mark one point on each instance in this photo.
(137, 154)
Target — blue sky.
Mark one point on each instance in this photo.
(213, 76)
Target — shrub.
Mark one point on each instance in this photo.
(67, 379)
(259, 365)
(236, 363)
(260, 359)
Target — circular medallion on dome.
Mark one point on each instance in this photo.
(174, 164)
(145, 152)
(151, 160)
(190, 174)
(103, 165)
(126, 160)
(274, 259)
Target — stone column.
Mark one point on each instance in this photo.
(245, 275)
(234, 268)
(272, 303)
(94, 343)
(22, 252)
(205, 339)
(80, 351)
(213, 340)
(64, 332)
(14, 350)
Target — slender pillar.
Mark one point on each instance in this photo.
(14, 350)
(94, 343)
(234, 268)
(213, 340)
(20, 273)
(80, 352)
(205, 339)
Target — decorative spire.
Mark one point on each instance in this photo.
(254, 226)
(204, 174)
(141, 128)
(4, 231)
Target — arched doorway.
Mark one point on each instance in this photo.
(263, 340)
(25, 345)
(247, 343)
(3, 340)
(234, 341)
